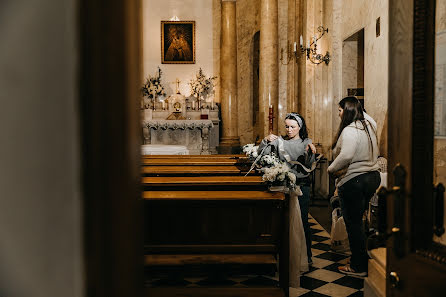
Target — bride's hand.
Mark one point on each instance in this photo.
(271, 138)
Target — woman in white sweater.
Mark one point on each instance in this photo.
(356, 170)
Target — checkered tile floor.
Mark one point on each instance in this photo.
(323, 279)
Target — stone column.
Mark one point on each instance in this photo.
(268, 68)
(228, 77)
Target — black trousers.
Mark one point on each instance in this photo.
(355, 196)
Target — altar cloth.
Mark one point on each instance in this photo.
(163, 149)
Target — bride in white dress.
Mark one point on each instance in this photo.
(295, 145)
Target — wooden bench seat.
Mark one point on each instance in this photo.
(198, 259)
(202, 157)
(245, 248)
(214, 292)
(194, 161)
(189, 181)
(202, 210)
(212, 195)
(187, 170)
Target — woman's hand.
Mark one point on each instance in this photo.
(271, 138)
(312, 147)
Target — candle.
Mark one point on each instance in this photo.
(270, 117)
(193, 105)
(295, 46)
(301, 41)
(164, 105)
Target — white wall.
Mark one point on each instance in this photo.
(155, 11)
(40, 201)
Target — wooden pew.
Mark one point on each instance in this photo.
(242, 227)
(193, 157)
(194, 165)
(203, 183)
(193, 170)
(212, 219)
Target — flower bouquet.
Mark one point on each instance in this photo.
(251, 151)
(276, 173)
(201, 86)
(153, 88)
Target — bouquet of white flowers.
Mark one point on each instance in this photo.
(202, 86)
(251, 151)
(153, 87)
(275, 171)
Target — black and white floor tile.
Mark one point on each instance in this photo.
(323, 278)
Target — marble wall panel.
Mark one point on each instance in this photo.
(247, 25)
(307, 104)
(376, 78)
(283, 69)
(335, 81)
(293, 33)
(326, 85)
(440, 23)
(216, 28)
(322, 87)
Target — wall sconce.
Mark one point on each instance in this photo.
(290, 55)
(311, 49)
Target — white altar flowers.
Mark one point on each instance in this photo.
(202, 86)
(153, 87)
(275, 171)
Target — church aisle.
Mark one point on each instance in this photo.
(322, 279)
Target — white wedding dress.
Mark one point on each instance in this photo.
(298, 246)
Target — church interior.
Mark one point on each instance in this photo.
(127, 163)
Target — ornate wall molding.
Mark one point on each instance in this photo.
(178, 124)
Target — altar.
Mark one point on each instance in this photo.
(194, 134)
(176, 121)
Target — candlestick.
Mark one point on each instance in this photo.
(271, 117)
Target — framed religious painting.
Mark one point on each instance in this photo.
(178, 42)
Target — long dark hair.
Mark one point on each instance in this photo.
(303, 131)
(352, 112)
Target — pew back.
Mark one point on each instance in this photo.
(202, 209)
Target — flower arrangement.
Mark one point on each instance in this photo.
(251, 151)
(275, 171)
(202, 86)
(153, 87)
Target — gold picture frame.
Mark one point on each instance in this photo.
(178, 42)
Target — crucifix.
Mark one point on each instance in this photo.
(177, 82)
